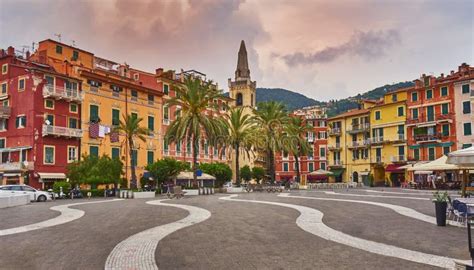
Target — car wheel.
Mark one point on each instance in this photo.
(42, 198)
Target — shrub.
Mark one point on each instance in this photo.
(258, 173)
(221, 171)
(65, 185)
(245, 173)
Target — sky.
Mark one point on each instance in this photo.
(322, 49)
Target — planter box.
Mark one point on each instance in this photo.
(191, 192)
(13, 200)
(144, 195)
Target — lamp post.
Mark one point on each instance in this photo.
(470, 227)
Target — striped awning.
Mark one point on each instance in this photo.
(52, 176)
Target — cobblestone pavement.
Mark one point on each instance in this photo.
(238, 235)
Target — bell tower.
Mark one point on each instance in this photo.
(242, 89)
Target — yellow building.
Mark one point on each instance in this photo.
(111, 90)
(388, 138)
(349, 145)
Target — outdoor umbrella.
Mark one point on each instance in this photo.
(465, 159)
(321, 172)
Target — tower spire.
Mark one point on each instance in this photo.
(242, 71)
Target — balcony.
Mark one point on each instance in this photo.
(334, 147)
(426, 138)
(5, 112)
(17, 166)
(58, 92)
(334, 131)
(423, 119)
(398, 159)
(62, 131)
(400, 138)
(336, 164)
(363, 127)
(377, 140)
(359, 144)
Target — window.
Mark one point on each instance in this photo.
(467, 129)
(322, 152)
(416, 154)
(178, 147)
(400, 111)
(24, 155)
(73, 122)
(151, 99)
(377, 115)
(73, 108)
(21, 84)
(206, 148)
(445, 108)
(445, 130)
(165, 146)
(20, 121)
(49, 104)
(115, 153)
(49, 120)
(94, 151)
(71, 154)
(285, 166)
(75, 55)
(3, 142)
(59, 49)
(465, 88)
(4, 88)
(136, 76)
(394, 97)
(48, 155)
(5, 103)
(323, 165)
(150, 157)
(151, 123)
(3, 124)
(134, 95)
(444, 91)
(414, 96)
(166, 113)
(134, 115)
(466, 107)
(166, 89)
(115, 117)
(134, 160)
(446, 150)
(431, 153)
(429, 94)
(415, 113)
(4, 68)
(310, 166)
(116, 90)
(93, 113)
(239, 100)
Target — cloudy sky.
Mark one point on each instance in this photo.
(323, 49)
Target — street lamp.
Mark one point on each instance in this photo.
(470, 227)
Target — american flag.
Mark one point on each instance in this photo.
(94, 130)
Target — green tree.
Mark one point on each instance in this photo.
(294, 141)
(270, 117)
(95, 171)
(258, 173)
(192, 124)
(165, 169)
(246, 173)
(221, 171)
(238, 126)
(130, 126)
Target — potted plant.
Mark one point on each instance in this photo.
(440, 200)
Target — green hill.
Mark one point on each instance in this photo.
(291, 99)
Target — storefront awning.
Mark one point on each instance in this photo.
(393, 168)
(11, 174)
(337, 172)
(364, 173)
(52, 176)
(14, 149)
(423, 172)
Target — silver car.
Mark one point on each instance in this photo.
(35, 195)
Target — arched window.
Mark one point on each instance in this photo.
(251, 100)
(239, 99)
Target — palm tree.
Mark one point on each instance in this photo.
(294, 141)
(238, 126)
(193, 123)
(132, 130)
(270, 117)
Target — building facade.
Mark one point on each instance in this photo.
(464, 107)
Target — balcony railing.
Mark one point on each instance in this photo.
(359, 128)
(17, 166)
(336, 163)
(400, 137)
(5, 111)
(423, 118)
(334, 131)
(63, 93)
(399, 158)
(62, 131)
(335, 146)
(360, 144)
(377, 140)
(420, 138)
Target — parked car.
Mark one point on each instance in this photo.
(35, 195)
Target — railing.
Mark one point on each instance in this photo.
(166, 121)
(62, 131)
(401, 137)
(359, 128)
(310, 139)
(16, 166)
(363, 143)
(423, 118)
(336, 163)
(399, 158)
(334, 146)
(427, 137)
(376, 140)
(334, 131)
(5, 111)
(61, 92)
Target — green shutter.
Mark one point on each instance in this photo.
(151, 123)
(115, 117)
(94, 113)
(465, 88)
(116, 153)
(150, 157)
(445, 108)
(94, 151)
(445, 130)
(467, 129)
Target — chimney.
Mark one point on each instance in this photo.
(2, 53)
(159, 71)
(442, 75)
(28, 55)
(11, 51)
(452, 72)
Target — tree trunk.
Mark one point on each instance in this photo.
(237, 165)
(271, 165)
(195, 154)
(133, 182)
(297, 164)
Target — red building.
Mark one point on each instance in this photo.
(431, 122)
(40, 123)
(286, 166)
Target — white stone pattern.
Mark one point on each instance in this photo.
(138, 250)
(311, 220)
(376, 196)
(67, 215)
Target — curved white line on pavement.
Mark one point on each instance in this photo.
(376, 196)
(406, 193)
(311, 220)
(67, 215)
(402, 210)
(138, 250)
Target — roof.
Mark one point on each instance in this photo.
(350, 113)
(66, 45)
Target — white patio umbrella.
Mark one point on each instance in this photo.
(321, 172)
(465, 159)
